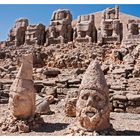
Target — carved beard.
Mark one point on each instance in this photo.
(93, 119)
(89, 118)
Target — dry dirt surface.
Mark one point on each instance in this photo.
(56, 124)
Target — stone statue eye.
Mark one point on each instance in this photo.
(85, 97)
(97, 98)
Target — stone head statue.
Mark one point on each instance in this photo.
(92, 108)
(22, 94)
(21, 22)
(61, 14)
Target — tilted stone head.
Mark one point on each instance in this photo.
(92, 108)
(22, 94)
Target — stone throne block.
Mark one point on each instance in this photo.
(35, 34)
(16, 35)
(60, 29)
(85, 30)
(110, 30)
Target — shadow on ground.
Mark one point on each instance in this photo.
(51, 127)
(128, 133)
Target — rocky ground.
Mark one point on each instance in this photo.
(58, 72)
(125, 124)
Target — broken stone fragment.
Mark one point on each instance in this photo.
(70, 107)
(132, 97)
(120, 97)
(42, 106)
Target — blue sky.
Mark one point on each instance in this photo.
(41, 13)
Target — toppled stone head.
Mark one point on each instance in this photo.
(22, 94)
(92, 108)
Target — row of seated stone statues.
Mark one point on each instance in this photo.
(60, 29)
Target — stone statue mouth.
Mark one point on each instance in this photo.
(90, 114)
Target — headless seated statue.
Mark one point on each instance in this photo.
(85, 28)
(60, 29)
(111, 28)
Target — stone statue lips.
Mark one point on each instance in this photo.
(90, 112)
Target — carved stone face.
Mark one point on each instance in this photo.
(60, 15)
(91, 106)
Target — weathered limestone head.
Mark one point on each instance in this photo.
(21, 22)
(61, 14)
(22, 94)
(92, 108)
(35, 34)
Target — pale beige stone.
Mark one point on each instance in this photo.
(60, 29)
(16, 35)
(92, 108)
(35, 34)
(22, 93)
(85, 30)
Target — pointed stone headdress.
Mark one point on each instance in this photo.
(25, 71)
(94, 79)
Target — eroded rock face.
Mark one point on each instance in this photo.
(16, 35)
(133, 35)
(60, 29)
(85, 30)
(35, 34)
(42, 106)
(92, 108)
(22, 94)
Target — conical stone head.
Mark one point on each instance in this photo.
(26, 69)
(22, 93)
(92, 108)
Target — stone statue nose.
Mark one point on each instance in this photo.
(90, 102)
